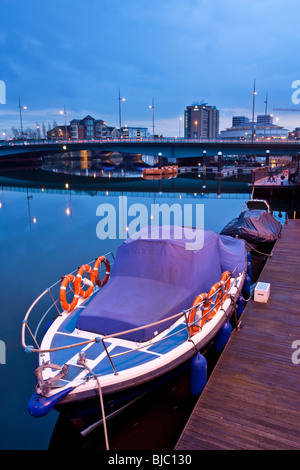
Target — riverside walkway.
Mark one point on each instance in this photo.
(252, 398)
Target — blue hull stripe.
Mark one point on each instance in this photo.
(167, 345)
(123, 362)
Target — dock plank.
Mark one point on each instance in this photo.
(252, 399)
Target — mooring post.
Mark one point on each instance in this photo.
(204, 170)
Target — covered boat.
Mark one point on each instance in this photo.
(255, 224)
(171, 290)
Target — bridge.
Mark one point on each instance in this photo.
(171, 148)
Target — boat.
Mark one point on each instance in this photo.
(256, 225)
(125, 323)
(167, 172)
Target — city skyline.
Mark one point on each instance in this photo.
(56, 55)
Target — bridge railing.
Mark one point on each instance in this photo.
(150, 140)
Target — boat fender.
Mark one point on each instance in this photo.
(249, 268)
(247, 286)
(240, 306)
(39, 406)
(248, 256)
(198, 374)
(222, 337)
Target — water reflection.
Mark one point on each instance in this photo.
(48, 226)
(91, 164)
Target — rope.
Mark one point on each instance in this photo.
(82, 361)
(264, 254)
(251, 292)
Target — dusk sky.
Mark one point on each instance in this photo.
(78, 53)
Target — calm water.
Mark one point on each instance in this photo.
(46, 232)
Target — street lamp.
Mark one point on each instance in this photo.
(120, 99)
(21, 121)
(152, 107)
(196, 124)
(266, 110)
(180, 119)
(65, 113)
(254, 93)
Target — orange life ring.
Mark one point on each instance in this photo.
(193, 328)
(70, 278)
(225, 279)
(285, 172)
(101, 282)
(215, 289)
(85, 268)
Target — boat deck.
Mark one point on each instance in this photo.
(252, 399)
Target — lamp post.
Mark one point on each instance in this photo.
(180, 119)
(253, 106)
(152, 107)
(65, 113)
(196, 124)
(21, 121)
(219, 163)
(266, 110)
(159, 159)
(120, 99)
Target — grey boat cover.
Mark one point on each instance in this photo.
(158, 273)
(254, 226)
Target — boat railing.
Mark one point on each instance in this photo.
(187, 324)
(139, 345)
(261, 204)
(55, 306)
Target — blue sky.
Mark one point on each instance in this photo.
(78, 53)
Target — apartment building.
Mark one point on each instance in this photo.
(201, 121)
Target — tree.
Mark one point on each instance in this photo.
(44, 132)
(15, 133)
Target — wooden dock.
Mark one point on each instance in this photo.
(252, 398)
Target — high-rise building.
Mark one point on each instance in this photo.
(201, 121)
(263, 128)
(239, 121)
(264, 120)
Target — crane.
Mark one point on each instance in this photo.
(287, 109)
